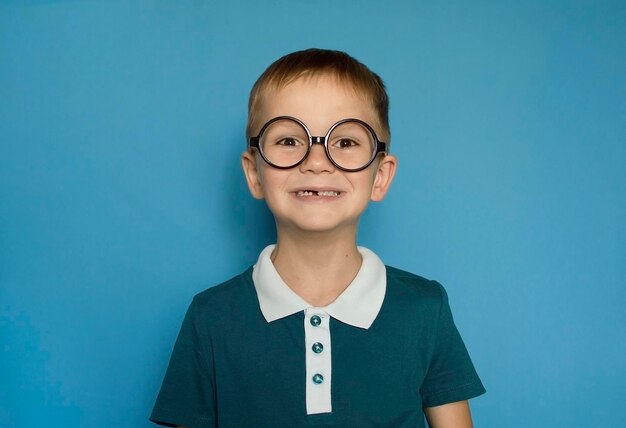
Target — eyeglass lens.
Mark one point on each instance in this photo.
(285, 142)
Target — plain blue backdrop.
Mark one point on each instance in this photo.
(121, 196)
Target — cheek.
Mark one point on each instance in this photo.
(266, 173)
(369, 183)
(273, 180)
(370, 178)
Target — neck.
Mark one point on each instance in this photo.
(317, 266)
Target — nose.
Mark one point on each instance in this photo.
(317, 161)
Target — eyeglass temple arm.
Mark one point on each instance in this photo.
(382, 147)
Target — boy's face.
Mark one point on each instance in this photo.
(316, 195)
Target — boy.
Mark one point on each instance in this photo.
(318, 331)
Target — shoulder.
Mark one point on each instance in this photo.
(408, 283)
(414, 297)
(228, 297)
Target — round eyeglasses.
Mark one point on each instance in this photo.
(350, 144)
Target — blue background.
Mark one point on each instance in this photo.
(121, 196)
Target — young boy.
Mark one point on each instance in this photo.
(319, 332)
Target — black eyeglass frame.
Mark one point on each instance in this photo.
(381, 147)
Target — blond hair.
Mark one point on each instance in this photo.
(317, 62)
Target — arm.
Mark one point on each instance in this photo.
(452, 415)
(451, 378)
(186, 397)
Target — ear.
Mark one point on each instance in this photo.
(250, 170)
(385, 171)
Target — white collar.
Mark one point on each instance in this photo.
(358, 305)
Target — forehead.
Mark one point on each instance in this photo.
(319, 101)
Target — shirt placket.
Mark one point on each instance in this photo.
(318, 361)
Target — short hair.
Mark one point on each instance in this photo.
(315, 62)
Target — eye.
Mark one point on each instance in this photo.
(288, 142)
(345, 143)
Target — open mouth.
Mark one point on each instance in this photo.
(330, 193)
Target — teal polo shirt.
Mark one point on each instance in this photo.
(239, 361)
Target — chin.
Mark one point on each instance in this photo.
(323, 227)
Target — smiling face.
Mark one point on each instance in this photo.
(316, 195)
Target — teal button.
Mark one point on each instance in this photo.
(315, 320)
(317, 347)
(318, 378)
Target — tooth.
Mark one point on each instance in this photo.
(318, 193)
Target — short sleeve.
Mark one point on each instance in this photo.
(451, 375)
(187, 395)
